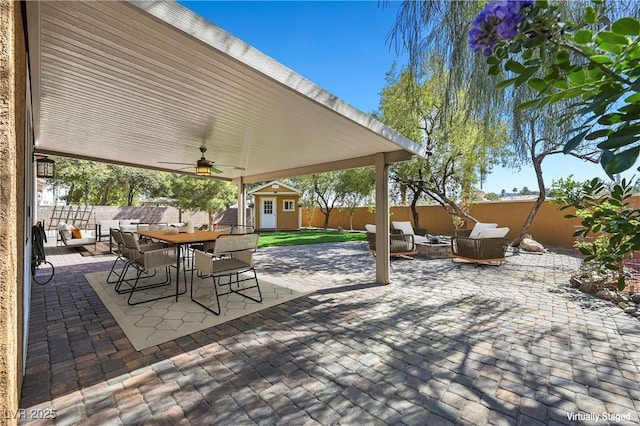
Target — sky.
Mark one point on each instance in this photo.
(342, 47)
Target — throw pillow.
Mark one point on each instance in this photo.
(76, 233)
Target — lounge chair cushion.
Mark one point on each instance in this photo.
(479, 227)
(406, 228)
(370, 228)
(494, 233)
(65, 230)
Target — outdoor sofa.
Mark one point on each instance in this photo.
(74, 237)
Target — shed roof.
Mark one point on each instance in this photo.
(281, 187)
(147, 83)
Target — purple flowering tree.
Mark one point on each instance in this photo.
(592, 64)
(497, 22)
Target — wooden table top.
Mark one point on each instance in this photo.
(181, 238)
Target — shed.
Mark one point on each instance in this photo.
(277, 207)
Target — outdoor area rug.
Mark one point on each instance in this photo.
(153, 323)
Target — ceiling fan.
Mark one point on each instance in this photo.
(205, 167)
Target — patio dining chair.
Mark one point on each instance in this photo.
(125, 255)
(144, 259)
(122, 257)
(230, 264)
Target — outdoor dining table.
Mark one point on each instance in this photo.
(179, 240)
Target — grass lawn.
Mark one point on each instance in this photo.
(307, 236)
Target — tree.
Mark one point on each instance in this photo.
(79, 176)
(336, 189)
(536, 138)
(357, 185)
(460, 147)
(320, 188)
(134, 182)
(492, 196)
(203, 194)
(107, 184)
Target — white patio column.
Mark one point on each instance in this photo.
(382, 220)
(242, 201)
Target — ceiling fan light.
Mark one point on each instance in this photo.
(203, 168)
(203, 171)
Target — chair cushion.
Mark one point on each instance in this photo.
(128, 221)
(493, 233)
(128, 228)
(405, 227)
(106, 225)
(479, 227)
(370, 228)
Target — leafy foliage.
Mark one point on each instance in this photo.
(96, 183)
(201, 194)
(610, 226)
(591, 63)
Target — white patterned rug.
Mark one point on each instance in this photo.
(153, 323)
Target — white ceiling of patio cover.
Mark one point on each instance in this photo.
(138, 83)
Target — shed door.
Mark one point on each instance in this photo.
(268, 213)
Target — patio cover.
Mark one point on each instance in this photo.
(139, 83)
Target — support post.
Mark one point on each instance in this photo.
(382, 220)
(242, 202)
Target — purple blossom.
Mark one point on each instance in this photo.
(498, 21)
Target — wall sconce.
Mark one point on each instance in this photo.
(45, 168)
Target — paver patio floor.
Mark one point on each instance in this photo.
(444, 343)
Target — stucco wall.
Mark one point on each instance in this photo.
(12, 95)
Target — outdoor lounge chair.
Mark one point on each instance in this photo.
(406, 228)
(230, 264)
(399, 244)
(487, 246)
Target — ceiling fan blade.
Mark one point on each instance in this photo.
(214, 170)
(226, 166)
(169, 162)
